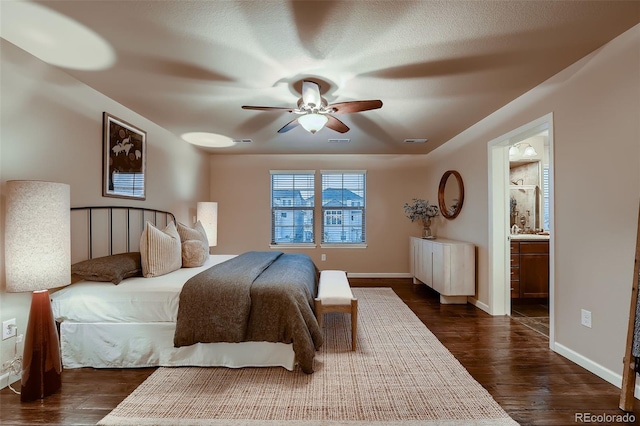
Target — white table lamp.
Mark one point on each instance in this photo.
(207, 214)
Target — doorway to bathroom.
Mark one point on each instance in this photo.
(521, 225)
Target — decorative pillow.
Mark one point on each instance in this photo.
(160, 250)
(195, 233)
(194, 253)
(113, 268)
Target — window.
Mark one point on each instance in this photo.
(343, 207)
(129, 183)
(292, 202)
(333, 217)
(546, 223)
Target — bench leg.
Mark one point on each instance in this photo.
(354, 323)
(319, 312)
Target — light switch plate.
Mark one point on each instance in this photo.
(585, 318)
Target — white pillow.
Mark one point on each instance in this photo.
(160, 250)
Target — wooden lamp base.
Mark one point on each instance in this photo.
(42, 366)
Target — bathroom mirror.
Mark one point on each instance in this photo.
(450, 194)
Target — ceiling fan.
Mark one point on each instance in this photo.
(314, 112)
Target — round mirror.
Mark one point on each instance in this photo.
(450, 194)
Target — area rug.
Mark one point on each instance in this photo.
(400, 375)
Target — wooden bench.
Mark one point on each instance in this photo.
(334, 295)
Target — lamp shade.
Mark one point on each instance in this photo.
(207, 213)
(37, 235)
(313, 122)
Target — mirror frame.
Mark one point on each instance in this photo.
(441, 201)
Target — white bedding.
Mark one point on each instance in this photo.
(134, 300)
(132, 324)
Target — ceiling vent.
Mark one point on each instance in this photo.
(339, 140)
(242, 140)
(415, 140)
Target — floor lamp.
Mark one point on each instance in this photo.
(37, 258)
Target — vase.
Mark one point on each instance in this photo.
(426, 230)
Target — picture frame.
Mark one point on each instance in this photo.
(124, 159)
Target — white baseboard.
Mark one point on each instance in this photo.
(4, 380)
(597, 369)
(379, 274)
(478, 304)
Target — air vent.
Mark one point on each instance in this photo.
(242, 141)
(339, 140)
(415, 140)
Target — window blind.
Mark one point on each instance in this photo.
(292, 203)
(343, 207)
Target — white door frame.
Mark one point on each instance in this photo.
(499, 256)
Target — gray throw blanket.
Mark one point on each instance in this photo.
(257, 296)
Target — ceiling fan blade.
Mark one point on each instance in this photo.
(290, 125)
(355, 106)
(311, 93)
(267, 108)
(337, 125)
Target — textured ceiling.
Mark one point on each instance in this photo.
(438, 66)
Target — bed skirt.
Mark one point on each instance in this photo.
(117, 345)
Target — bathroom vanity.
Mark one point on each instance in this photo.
(529, 266)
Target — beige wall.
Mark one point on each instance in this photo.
(51, 129)
(241, 186)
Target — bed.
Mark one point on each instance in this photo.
(133, 324)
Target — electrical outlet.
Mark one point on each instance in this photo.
(323, 257)
(585, 318)
(9, 329)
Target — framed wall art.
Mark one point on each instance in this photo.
(124, 159)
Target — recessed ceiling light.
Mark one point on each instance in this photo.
(415, 140)
(54, 38)
(209, 140)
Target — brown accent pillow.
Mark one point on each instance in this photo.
(194, 253)
(114, 268)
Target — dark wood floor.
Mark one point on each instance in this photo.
(533, 384)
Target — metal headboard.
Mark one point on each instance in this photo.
(98, 225)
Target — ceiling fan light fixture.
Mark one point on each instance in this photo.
(313, 122)
(529, 151)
